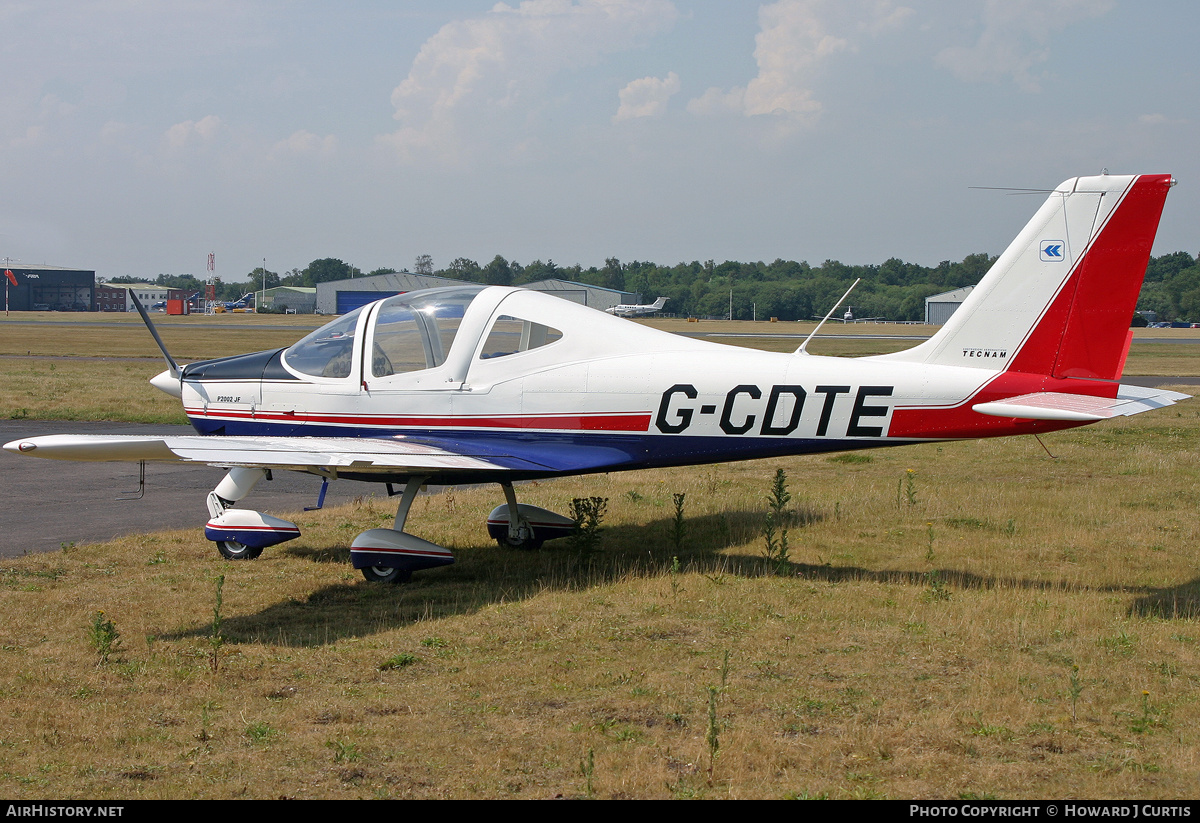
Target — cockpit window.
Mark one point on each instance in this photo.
(510, 335)
(407, 333)
(415, 332)
(328, 351)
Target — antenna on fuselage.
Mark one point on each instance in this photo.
(803, 346)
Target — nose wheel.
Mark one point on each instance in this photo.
(242, 534)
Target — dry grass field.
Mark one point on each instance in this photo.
(974, 619)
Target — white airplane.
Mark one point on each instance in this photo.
(849, 317)
(636, 310)
(471, 384)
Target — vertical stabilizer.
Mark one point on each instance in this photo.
(1060, 299)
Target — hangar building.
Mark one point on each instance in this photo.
(939, 307)
(298, 299)
(50, 288)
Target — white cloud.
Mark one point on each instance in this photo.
(193, 131)
(486, 69)
(304, 144)
(1015, 39)
(646, 97)
(716, 101)
(795, 38)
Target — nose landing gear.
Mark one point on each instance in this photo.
(242, 534)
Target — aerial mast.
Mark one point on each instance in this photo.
(210, 288)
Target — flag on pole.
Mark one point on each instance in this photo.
(12, 278)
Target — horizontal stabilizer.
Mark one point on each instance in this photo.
(1080, 407)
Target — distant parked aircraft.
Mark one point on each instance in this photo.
(634, 310)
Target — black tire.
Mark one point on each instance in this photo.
(528, 544)
(385, 574)
(233, 550)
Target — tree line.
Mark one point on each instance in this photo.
(785, 289)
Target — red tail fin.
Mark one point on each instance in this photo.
(1087, 325)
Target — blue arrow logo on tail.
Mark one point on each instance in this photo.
(1052, 251)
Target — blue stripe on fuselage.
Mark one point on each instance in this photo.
(555, 453)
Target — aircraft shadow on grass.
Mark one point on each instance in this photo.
(489, 576)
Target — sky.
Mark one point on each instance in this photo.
(138, 137)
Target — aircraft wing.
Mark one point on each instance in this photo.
(1062, 406)
(362, 455)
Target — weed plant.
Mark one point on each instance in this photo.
(216, 640)
(678, 529)
(588, 513)
(775, 529)
(104, 637)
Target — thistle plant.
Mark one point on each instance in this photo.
(104, 637)
(775, 532)
(678, 529)
(587, 768)
(587, 512)
(216, 640)
(712, 736)
(1074, 689)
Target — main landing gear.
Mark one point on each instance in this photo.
(382, 555)
(530, 528)
(392, 555)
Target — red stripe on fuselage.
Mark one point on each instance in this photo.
(634, 421)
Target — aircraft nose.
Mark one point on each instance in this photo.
(164, 381)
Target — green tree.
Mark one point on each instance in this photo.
(258, 282)
(613, 275)
(328, 269)
(537, 270)
(498, 272)
(462, 268)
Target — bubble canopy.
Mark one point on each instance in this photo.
(415, 332)
(410, 332)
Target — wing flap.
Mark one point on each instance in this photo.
(1081, 407)
(303, 453)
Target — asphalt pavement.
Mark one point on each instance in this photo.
(52, 502)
